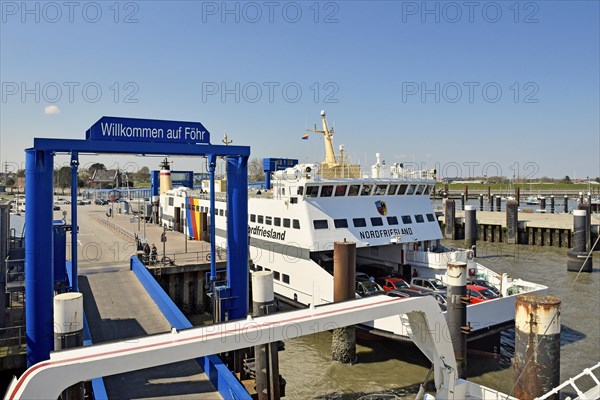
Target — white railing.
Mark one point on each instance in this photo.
(595, 391)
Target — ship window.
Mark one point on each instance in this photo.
(293, 200)
(430, 217)
(340, 190)
(320, 224)
(392, 190)
(419, 189)
(252, 217)
(221, 213)
(353, 191)
(419, 218)
(326, 190)
(402, 189)
(170, 201)
(426, 191)
(300, 190)
(376, 221)
(268, 220)
(392, 220)
(196, 208)
(359, 222)
(411, 189)
(276, 275)
(260, 219)
(286, 278)
(286, 222)
(277, 221)
(366, 190)
(340, 223)
(406, 219)
(295, 224)
(380, 190)
(312, 191)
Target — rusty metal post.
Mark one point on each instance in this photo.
(481, 202)
(449, 219)
(457, 313)
(343, 342)
(537, 345)
(265, 356)
(518, 195)
(490, 198)
(552, 204)
(466, 192)
(512, 222)
(462, 201)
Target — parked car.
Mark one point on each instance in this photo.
(405, 293)
(485, 284)
(428, 285)
(61, 201)
(368, 288)
(479, 294)
(392, 283)
(361, 276)
(100, 202)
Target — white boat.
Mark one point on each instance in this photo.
(532, 201)
(389, 215)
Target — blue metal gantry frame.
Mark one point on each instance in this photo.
(39, 281)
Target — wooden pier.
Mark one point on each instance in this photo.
(539, 229)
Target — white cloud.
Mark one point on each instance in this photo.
(49, 110)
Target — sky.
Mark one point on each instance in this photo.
(469, 88)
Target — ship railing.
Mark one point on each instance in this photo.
(439, 259)
(590, 394)
(12, 336)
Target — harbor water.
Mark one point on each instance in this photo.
(380, 373)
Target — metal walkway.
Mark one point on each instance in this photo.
(117, 307)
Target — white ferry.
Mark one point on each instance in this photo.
(389, 216)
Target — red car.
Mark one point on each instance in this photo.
(393, 284)
(480, 293)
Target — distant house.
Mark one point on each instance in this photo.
(106, 179)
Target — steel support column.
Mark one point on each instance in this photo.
(237, 228)
(74, 168)
(39, 261)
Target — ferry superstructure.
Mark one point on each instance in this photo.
(292, 229)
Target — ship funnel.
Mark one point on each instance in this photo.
(166, 183)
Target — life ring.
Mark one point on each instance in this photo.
(471, 272)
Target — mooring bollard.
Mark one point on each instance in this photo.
(481, 202)
(577, 257)
(498, 203)
(266, 357)
(552, 204)
(462, 202)
(580, 198)
(68, 331)
(449, 219)
(457, 313)
(512, 222)
(537, 345)
(566, 204)
(518, 195)
(542, 204)
(491, 200)
(343, 341)
(470, 226)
